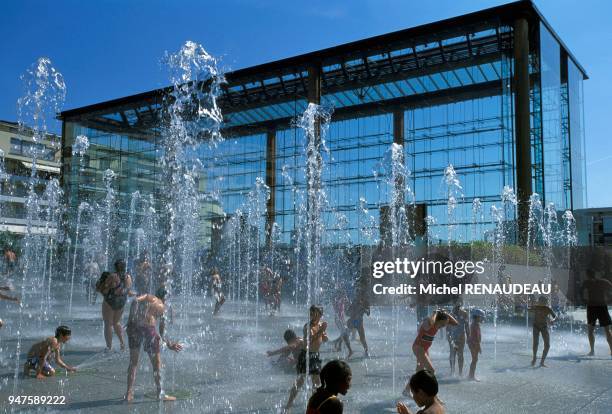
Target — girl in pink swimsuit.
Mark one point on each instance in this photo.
(426, 334)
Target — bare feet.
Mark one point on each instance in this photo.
(168, 398)
(592, 353)
(129, 396)
(474, 379)
(349, 355)
(533, 361)
(543, 365)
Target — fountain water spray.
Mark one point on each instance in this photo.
(44, 94)
(453, 193)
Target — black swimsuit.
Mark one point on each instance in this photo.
(117, 296)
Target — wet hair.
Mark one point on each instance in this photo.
(315, 308)
(543, 300)
(334, 373)
(161, 293)
(120, 263)
(62, 330)
(289, 335)
(441, 315)
(425, 381)
(590, 273)
(214, 272)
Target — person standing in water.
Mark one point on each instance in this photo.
(143, 274)
(277, 286)
(597, 293)
(357, 309)
(216, 288)
(425, 337)
(474, 340)
(341, 302)
(145, 311)
(541, 313)
(115, 288)
(456, 336)
(314, 335)
(92, 272)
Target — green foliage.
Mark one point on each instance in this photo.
(513, 254)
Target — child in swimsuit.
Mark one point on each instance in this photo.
(474, 340)
(358, 308)
(456, 336)
(423, 387)
(40, 353)
(216, 288)
(341, 301)
(541, 312)
(335, 379)
(291, 352)
(145, 311)
(314, 333)
(425, 337)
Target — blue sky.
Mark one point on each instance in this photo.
(112, 48)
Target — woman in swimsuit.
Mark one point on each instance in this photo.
(115, 289)
(425, 337)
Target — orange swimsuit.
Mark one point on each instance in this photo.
(425, 337)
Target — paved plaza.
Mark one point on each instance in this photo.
(224, 369)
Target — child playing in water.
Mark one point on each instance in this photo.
(145, 312)
(425, 337)
(358, 308)
(456, 336)
(541, 311)
(40, 353)
(474, 339)
(216, 287)
(340, 303)
(423, 387)
(335, 379)
(314, 336)
(291, 352)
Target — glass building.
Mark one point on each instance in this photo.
(495, 93)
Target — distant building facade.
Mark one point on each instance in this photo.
(495, 93)
(594, 226)
(17, 146)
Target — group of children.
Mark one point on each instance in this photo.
(462, 327)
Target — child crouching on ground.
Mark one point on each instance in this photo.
(40, 353)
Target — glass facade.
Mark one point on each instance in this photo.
(576, 135)
(552, 139)
(453, 91)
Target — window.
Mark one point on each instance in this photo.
(26, 149)
(15, 146)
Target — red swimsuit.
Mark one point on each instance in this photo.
(425, 337)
